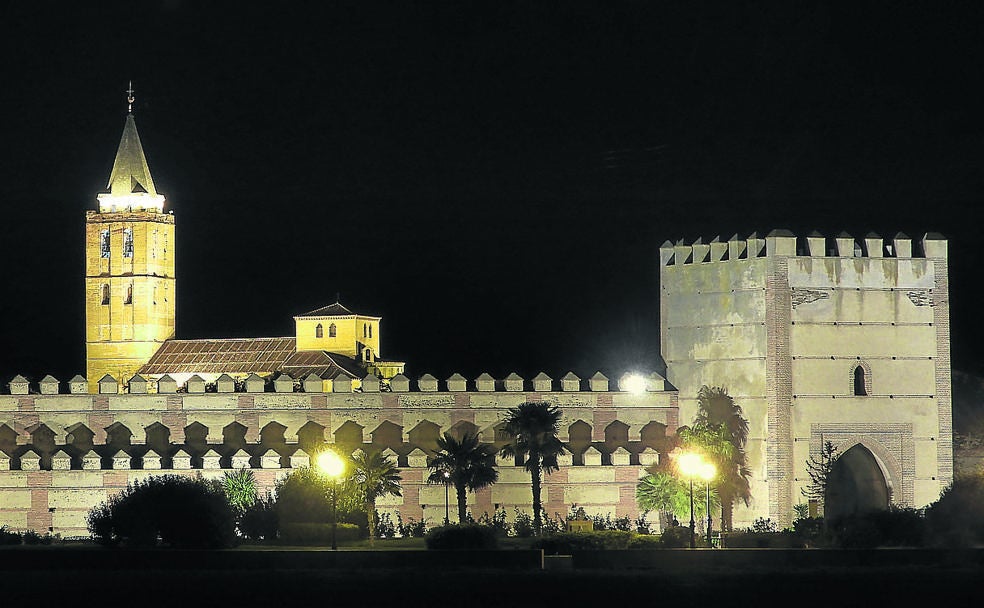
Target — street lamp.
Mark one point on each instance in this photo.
(447, 484)
(707, 473)
(332, 465)
(690, 464)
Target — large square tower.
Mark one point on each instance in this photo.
(129, 268)
(838, 340)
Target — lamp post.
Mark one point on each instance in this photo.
(707, 473)
(447, 485)
(332, 465)
(690, 464)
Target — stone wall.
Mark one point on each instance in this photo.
(62, 453)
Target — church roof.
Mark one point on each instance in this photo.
(247, 355)
(332, 310)
(131, 174)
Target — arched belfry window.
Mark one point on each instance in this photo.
(104, 243)
(332, 332)
(105, 294)
(368, 355)
(370, 330)
(128, 242)
(860, 381)
(365, 330)
(128, 298)
(319, 331)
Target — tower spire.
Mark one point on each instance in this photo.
(129, 98)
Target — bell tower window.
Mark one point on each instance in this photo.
(104, 243)
(128, 298)
(319, 331)
(365, 330)
(105, 294)
(128, 242)
(332, 332)
(370, 331)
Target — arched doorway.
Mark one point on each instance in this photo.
(856, 484)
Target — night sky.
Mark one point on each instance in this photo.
(493, 180)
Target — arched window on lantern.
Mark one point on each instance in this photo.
(332, 332)
(319, 331)
(860, 381)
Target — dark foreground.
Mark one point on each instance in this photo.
(181, 585)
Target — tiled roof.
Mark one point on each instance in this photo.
(332, 310)
(229, 355)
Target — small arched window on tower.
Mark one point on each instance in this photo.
(368, 355)
(319, 331)
(105, 294)
(128, 242)
(104, 243)
(370, 330)
(365, 330)
(860, 382)
(128, 298)
(331, 331)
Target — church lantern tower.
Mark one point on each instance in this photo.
(129, 267)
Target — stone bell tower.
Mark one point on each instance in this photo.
(129, 267)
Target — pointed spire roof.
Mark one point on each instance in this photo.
(130, 184)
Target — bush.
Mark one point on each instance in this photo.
(260, 520)
(567, 542)
(180, 511)
(646, 541)
(675, 537)
(309, 533)
(750, 539)
(9, 538)
(895, 527)
(461, 537)
(412, 528)
(523, 524)
(957, 518)
(496, 521)
(385, 528)
(34, 538)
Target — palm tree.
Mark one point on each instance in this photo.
(240, 488)
(719, 419)
(374, 476)
(534, 428)
(466, 464)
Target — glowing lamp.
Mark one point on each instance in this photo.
(331, 464)
(635, 384)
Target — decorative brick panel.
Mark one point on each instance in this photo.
(462, 400)
(778, 382)
(100, 403)
(941, 320)
(25, 404)
(175, 402)
(891, 443)
(601, 420)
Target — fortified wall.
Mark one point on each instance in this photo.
(63, 453)
(818, 339)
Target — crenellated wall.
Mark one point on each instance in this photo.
(62, 453)
(783, 322)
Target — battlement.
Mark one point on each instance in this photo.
(783, 243)
(456, 383)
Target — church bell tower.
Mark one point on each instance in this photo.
(129, 267)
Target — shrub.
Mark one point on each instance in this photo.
(642, 525)
(181, 511)
(9, 538)
(523, 524)
(260, 520)
(311, 533)
(646, 541)
(566, 542)
(496, 521)
(744, 539)
(412, 528)
(32, 537)
(957, 518)
(461, 537)
(385, 528)
(675, 537)
(895, 527)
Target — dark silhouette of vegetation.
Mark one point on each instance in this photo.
(461, 537)
(260, 520)
(466, 464)
(957, 518)
(534, 428)
(718, 412)
(818, 467)
(181, 512)
(304, 497)
(374, 476)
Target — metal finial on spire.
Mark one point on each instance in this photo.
(129, 98)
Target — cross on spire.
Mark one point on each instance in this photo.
(129, 98)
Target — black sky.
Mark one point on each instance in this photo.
(493, 179)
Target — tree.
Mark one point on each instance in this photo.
(375, 476)
(721, 417)
(534, 427)
(818, 467)
(469, 465)
(660, 491)
(240, 488)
